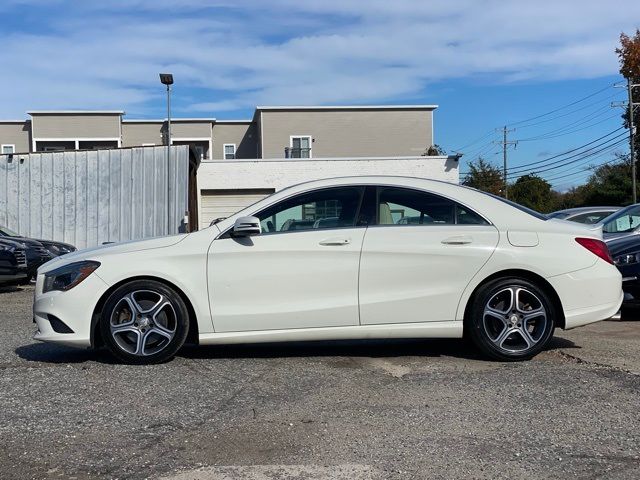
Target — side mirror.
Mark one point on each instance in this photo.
(246, 226)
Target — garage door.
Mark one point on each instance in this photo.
(224, 203)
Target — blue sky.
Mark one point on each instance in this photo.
(486, 63)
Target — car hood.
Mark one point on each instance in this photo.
(112, 249)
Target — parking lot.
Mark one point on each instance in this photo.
(347, 410)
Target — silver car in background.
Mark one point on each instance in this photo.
(587, 215)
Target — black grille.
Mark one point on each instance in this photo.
(21, 257)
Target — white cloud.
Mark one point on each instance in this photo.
(234, 55)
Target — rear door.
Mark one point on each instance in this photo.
(419, 257)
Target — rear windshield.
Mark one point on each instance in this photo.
(522, 208)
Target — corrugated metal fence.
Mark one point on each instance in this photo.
(89, 197)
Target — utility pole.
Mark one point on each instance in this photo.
(632, 132)
(505, 144)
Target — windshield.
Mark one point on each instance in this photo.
(7, 232)
(625, 220)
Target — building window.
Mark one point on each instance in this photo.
(299, 147)
(229, 151)
(8, 149)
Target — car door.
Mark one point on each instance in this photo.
(419, 257)
(300, 272)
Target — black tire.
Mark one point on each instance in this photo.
(136, 335)
(521, 333)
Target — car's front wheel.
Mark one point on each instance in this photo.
(511, 319)
(143, 322)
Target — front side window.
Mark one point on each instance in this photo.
(320, 209)
(229, 151)
(400, 206)
(8, 149)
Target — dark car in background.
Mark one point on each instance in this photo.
(587, 215)
(625, 252)
(13, 263)
(55, 249)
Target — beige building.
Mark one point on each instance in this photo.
(273, 132)
(242, 161)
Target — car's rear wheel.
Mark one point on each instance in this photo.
(143, 322)
(511, 319)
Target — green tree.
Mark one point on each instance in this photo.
(435, 151)
(484, 176)
(534, 192)
(609, 184)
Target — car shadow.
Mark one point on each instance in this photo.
(10, 289)
(456, 348)
(386, 348)
(60, 354)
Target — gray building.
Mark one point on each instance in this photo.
(272, 132)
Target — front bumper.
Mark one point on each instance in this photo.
(73, 307)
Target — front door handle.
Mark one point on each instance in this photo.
(458, 240)
(335, 242)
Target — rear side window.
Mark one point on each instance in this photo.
(401, 206)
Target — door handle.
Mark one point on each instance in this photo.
(458, 240)
(335, 242)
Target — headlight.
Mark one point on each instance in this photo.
(8, 248)
(67, 277)
(627, 259)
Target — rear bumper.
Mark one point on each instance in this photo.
(589, 295)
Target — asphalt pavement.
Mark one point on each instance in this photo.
(408, 409)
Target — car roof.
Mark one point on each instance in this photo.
(584, 210)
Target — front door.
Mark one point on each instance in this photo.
(418, 259)
(301, 272)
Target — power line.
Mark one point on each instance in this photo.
(538, 162)
(536, 171)
(563, 107)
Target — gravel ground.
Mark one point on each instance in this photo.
(391, 409)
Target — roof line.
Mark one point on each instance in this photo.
(346, 107)
(79, 112)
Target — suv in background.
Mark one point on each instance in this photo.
(13, 263)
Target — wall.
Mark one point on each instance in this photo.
(278, 174)
(89, 197)
(18, 134)
(134, 134)
(76, 125)
(349, 133)
(190, 129)
(243, 134)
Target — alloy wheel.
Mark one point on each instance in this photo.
(143, 323)
(515, 319)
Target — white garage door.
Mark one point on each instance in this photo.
(224, 203)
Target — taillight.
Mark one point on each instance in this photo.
(597, 247)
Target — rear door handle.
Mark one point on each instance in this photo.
(335, 242)
(458, 240)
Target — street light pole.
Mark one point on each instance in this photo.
(167, 79)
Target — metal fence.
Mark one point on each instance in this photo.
(89, 197)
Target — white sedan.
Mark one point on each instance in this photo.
(346, 258)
